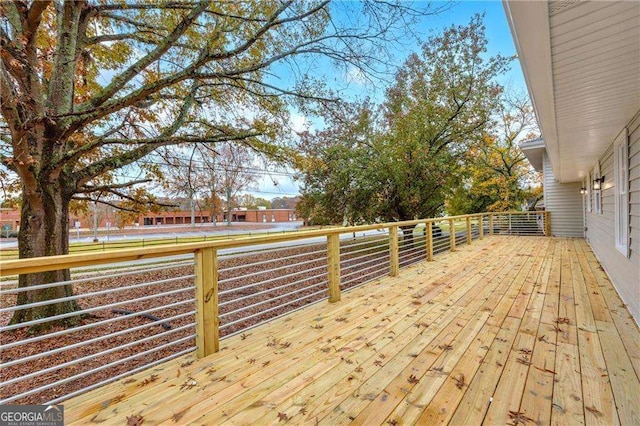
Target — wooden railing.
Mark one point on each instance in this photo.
(460, 229)
(206, 256)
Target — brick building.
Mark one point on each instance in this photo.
(11, 217)
(204, 216)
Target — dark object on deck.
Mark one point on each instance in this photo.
(164, 325)
(436, 231)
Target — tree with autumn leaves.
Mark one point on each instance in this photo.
(497, 176)
(411, 156)
(90, 88)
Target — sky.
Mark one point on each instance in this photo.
(499, 42)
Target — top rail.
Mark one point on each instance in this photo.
(50, 263)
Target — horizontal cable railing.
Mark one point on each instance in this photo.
(122, 314)
(140, 307)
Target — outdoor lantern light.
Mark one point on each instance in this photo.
(583, 191)
(597, 183)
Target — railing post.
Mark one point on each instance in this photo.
(452, 234)
(207, 322)
(333, 266)
(469, 239)
(394, 264)
(480, 228)
(490, 223)
(429, 235)
(547, 223)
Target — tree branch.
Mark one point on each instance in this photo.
(88, 189)
(119, 81)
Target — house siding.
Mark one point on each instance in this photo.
(624, 272)
(564, 202)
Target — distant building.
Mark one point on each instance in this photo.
(260, 215)
(11, 217)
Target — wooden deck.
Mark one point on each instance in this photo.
(517, 330)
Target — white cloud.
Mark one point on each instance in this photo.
(299, 123)
(355, 75)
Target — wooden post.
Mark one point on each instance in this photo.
(394, 265)
(452, 234)
(469, 237)
(333, 266)
(480, 228)
(490, 223)
(547, 223)
(429, 235)
(207, 322)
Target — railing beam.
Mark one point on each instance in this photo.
(41, 264)
(480, 227)
(469, 239)
(394, 265)
(207, 321)
(547, 223)
(333, 266)
(490, 223)
(452, 234)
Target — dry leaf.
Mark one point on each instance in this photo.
(177, 416)
(135, 420)
(460, 382)
(189, 384)
(594, 411)
(282, 417)
(149, 380)
(519, 417)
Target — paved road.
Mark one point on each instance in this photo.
(170, 232)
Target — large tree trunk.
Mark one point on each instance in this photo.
(44, 231)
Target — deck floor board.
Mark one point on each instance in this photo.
(505, 330)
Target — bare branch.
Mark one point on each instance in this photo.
(103, 188)
(118, 82)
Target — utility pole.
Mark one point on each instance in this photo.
(214, 213)
(95, 221)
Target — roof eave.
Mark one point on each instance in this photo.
(529, 24)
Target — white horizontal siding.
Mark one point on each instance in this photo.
(595, 67)
(624, 272)
(564, 202)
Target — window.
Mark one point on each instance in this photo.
(597, 193)
(621, 183)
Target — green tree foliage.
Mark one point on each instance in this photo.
(339, 176)
(284, 202)
(497, 175)
(403, 164)
(90, 88)
(251, 202)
